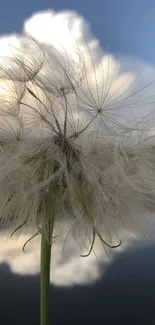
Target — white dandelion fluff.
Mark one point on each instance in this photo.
(76, 141)
(60, 162)
(67, 130)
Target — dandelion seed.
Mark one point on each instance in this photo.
(68, 155)
(61, 167)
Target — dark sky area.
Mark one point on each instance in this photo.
(126, 295)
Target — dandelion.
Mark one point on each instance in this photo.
(67, 157)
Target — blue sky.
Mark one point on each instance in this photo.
(126, 26)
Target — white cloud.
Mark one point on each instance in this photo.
(67, 266)
(120, 76)
(62, 30)
(116, 81)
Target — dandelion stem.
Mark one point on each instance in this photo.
(45, 281)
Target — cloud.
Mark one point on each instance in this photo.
(68, 268)
(124, 86)
(122, 78)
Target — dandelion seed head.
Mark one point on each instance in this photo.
(72, 150)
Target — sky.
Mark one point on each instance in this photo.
(81, 288)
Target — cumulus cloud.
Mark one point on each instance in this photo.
(68, 268)
(124, 86)
(127, 82)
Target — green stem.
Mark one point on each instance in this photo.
(45, 281)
